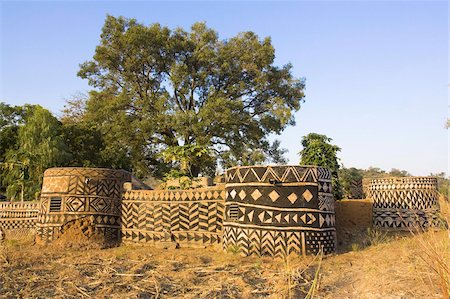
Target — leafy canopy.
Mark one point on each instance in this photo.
(317, 150)
(39, 145)
(158, 90)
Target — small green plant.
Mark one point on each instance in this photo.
(356, 247)
(376, 237)
(316, 281)
(234, 249)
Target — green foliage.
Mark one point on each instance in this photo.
(175, 90)
(346, 177)
(443, 183)
(10, 118)
(189, 157)
(85, 145)
(317, 150)
(399, 173)
(40, 145)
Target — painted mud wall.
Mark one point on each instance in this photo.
(278, 210)
(404, 203)
(179, 216)
(69, 194)
(18, 219)
(263, 210)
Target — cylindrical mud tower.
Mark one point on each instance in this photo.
(278, 210)
(404, 203)
(91, 196)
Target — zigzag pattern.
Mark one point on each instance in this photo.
(324, 174)
(279, 174)
(404, 199)
(92, 192)
(152, 216)
(276, 243)
(356, 189)
(326, 203)
(276, 217)
(404, 203)
(406, 219)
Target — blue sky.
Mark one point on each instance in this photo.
(376, 72)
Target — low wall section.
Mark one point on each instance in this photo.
(18, 219)
(179, 216)
(73, 193)
(405, 203)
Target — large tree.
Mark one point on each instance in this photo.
(318, 150)
(159, 90)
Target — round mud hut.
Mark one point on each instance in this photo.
(87, 200)
(279, 210)
(404, 203)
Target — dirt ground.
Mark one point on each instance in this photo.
(368, 264)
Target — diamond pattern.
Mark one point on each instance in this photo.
(292, 198)
(307, 195)
(256, 194)
(274, 195)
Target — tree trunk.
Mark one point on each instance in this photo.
(195, 170)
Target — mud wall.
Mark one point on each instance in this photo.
(18, 219)
(356, 189)
(178, 216)
(278, 210)
(69, 194)
(404, 203)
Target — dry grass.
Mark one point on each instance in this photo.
(383, 266)
(435, 250)
(28, 270)
(394, 269)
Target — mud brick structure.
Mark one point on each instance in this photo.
(279, 210)
(356, 189)
(404, 203)
(70, 194)
(365, 187)
(263, 210)
(178, 216)
(18, 219)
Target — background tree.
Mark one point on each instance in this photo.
(317, 150)
(40, 145)
(158, 89)
(443, 184)
(398, 172)
(346, 177)
(10, 118)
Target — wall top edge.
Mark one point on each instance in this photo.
(274, 166)
(85, 169)
(402, 179)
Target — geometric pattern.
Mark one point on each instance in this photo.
(276, 210)
(18, 219)
(81, 192)
(262, 210)
(356, 189)
(278, 174)
(280, 243)
(173, 215)
(404, 203)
